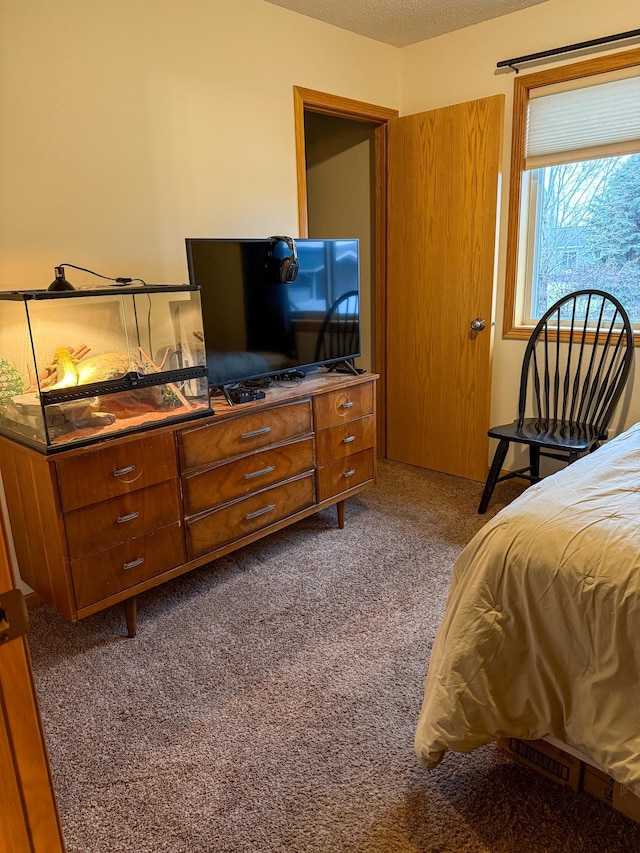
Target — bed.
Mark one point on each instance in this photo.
(541, 632)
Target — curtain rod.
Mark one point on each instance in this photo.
(511, 63)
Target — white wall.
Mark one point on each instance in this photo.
(460, 67)
(127, 125)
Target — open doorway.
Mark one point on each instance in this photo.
(337, 134)
(339, 154)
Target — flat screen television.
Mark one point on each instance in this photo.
(256, 325)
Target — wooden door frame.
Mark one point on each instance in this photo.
(334, 105)
(29, 819)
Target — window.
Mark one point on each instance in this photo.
(575, 188)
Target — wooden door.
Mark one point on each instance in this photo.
(28, 815)
(443, 184)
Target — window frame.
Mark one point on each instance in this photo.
(515, 290)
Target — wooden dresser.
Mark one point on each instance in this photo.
(95, 526)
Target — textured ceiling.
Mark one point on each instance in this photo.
(403, 22)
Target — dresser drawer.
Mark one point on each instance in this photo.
(230, 437)
(230, 480)
(118, 568)
(344, 474)
(114, 470)
(100, 526)
(345, 439)
(343, 405)
(244, 517)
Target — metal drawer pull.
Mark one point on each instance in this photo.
(260, 512)
(130, 517)
(120, 472)
(256, 432)
(349, 439)
(266, 470)
(350, 473)
(133, 563)
(347, 405)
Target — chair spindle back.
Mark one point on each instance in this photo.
(577, 361)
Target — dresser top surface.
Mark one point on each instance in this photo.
(288, 390)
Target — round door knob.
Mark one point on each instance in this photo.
(478, 324)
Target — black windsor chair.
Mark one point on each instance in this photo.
(571, 379)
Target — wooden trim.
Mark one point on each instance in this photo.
(301, 162)
(519, 127)
(33, 600)
(522, 87)
(327, 104)
(524, 333)
(380, 283)
(29, 818)
(336, 105)
(578, 70)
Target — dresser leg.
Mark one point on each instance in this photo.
(340, 506)
(131, 611)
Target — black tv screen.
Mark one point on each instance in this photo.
(256, 325)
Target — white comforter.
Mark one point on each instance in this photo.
(541, 634)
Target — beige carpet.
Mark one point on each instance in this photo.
(269, 702)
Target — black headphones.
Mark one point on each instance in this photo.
(286, 267)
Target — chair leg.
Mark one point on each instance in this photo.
(534, 462)
(494, 473)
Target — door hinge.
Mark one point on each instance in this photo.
(14, 621)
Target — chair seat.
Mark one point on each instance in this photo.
(553, 435)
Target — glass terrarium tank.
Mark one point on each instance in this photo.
(78, 366)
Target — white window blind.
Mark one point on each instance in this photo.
(601, 120)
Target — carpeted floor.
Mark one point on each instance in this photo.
(269, 702)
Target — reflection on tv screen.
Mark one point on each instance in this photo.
(256, 325)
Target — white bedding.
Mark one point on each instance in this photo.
(541, 634)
